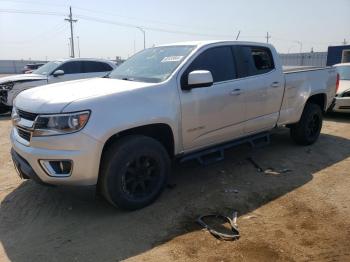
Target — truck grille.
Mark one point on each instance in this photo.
(26, 115)
(24, 134)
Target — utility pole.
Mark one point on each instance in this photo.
(71, 21)
(267, 37)
(239, 32)
(344, 42)
(144, 36)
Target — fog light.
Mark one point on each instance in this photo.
(57, 168)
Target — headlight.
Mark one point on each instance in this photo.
(59, 124)
(7, 86)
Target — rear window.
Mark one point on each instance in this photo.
(253, 60)
(263, 60)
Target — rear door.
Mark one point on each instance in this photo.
(212, 114)
(263, 84)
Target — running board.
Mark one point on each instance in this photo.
(215, 154)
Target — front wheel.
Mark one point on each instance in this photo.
(134, 172)
(308, 129)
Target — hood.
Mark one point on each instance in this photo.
(53, 98)
(344, 85)
(22, 78)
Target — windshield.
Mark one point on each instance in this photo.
(344, 72)
(47, 68)
(152, 65)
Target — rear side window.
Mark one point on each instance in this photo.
(93, 67)
(73, 67)
(253, 60)
(263, 60)
(218, 60)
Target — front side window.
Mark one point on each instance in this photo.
(218, 60)
(152, 65)
(73, 67)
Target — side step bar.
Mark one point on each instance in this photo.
(217, 153)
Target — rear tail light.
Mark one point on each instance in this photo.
(337, 84)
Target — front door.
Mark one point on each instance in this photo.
(214, 114)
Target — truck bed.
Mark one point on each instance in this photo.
(293, 69)
(301, 83)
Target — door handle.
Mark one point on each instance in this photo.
(235, 92)
(275, 84)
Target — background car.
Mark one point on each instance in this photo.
(52, 72)
(29, 68)
(342, 100)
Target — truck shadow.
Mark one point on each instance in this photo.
(70, 224)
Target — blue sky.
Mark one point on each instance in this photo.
(44, 33)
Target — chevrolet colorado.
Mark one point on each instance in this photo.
(121, 131)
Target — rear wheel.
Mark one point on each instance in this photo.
(134, 172)
(308, 129)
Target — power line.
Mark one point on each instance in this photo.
(51, 33)
(158, 29)
(105, 21)
(30, 12)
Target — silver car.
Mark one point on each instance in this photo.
(342, 99)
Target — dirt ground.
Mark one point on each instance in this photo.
(302, 215)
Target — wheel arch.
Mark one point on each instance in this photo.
(318, 99)
(161, 132)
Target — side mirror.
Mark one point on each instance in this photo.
(58, 73)
(199, 78)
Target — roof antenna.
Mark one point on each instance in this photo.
(239, 32)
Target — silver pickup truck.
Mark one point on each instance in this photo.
(121, 131)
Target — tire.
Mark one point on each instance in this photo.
(308, 129)
(134, 172)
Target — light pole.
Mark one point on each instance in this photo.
(301, 50)
(78, 46)
(289, 48)
(301, 46)
(144, 36)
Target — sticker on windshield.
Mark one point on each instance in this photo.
(171, 59)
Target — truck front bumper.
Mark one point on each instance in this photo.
(82, 151)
